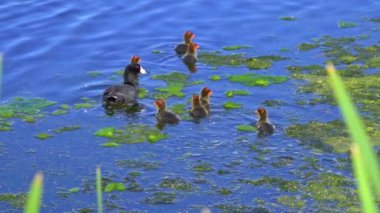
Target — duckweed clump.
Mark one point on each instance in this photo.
(364, 90)
(114, 186)
(291, 201)
(138, 164)
(27, 110)
(161, 198)
(5, 125)
(176, 183)
(252, 79)
(216, 59)
(132, 133)
(175, 83)
(282, 184)
(330, 137)
(86, 103)
(15, 200)
(333, 189)
(66, 128)
(203, 167)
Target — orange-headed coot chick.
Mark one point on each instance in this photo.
(190, 58)
(205, 98)
(181, 49)
(263, 124)
(125, 94)
(163, 115)
(197, 109)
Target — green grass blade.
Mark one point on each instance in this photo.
(1, 73)
(365, 193)
(355, 126)
(33, 201)
(99, 189)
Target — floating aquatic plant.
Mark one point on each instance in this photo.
(246, 128)
(282, 184)
(291, 201)
(176, 183)
(43, 136)
(26, 109)
(114, 186)
(142, 93)
(67, 128)
(330, 136)
(231, 105)
(235, 47)
(86, 104)
(161, 198)
(215, 77)
(175, 83)
(232, 93)
(132, 133)
(307, 46)
(138, 164)
(346, 24)
(252, 79)
(15, 200)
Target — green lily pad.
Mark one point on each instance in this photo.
(114, 186)
(252, 79)
(246, 128)
(27, 109)
(175, 83)
(107, 132)
(216, 59)
(235, 47)
(346, 24)
(86, 104)
(74, 190)
(43, 136)
(110, 144)
(133, 133)
(231, 105)
(258, 63)
(215, 77)
(232, 93)
(60, 112)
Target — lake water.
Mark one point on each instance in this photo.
(65, 51)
